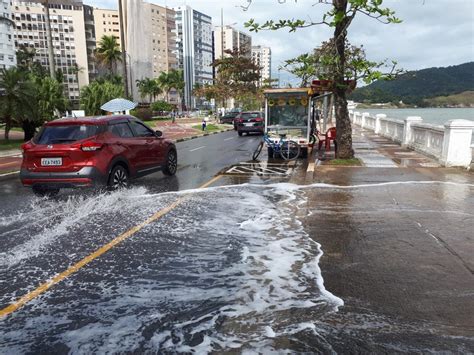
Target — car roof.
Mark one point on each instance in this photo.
(91, 120)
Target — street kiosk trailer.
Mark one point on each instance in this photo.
(288, 111)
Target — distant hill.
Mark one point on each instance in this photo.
(418, 87)
(464, 99)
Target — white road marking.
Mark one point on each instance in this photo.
(228, 139)
(193, 150)
(260, 170)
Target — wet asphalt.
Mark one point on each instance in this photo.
(358, 260)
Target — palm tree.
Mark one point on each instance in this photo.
(164, 81)
(177, 82)
(149, 87)
(14, 89)
(108, 53)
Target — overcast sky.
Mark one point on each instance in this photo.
(434, 33)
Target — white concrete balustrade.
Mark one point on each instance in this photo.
(450, 144)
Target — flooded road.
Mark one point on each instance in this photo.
(216, 273)
(238, 268)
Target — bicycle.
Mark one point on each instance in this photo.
(288, 149)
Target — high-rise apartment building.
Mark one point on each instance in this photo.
(194, 46)
(106, 23)
(150, 40)
(228, 38)
(7, 43)
(69, 38)
(262, 56)
(89, 26)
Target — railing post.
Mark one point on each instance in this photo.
(457, 143)
(377, 122)
(407, 130)
(356, 118)
(363, 123)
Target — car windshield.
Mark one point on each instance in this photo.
(65, 134)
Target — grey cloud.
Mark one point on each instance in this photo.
(433, 32)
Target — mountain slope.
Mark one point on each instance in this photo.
(414, 86)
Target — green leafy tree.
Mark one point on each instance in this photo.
(97, 93)
(14, 89)
(303, 67)
(25, 57)
(339, 17)
(162, 106)
(108, 53)
(237, 77)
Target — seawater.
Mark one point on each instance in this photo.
(438, 116)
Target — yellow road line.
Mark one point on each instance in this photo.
(74, 268)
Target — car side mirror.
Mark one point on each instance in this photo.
(158, 134)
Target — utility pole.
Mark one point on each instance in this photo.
(49, 37)
(124, 54)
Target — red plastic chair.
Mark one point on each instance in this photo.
(327, 138)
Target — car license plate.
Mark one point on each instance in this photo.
(248, 124)
(51, 161)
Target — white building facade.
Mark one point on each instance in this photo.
(7, 43)
(69, 38)
(228, 38)
(194, 51)
(149, 42)
(262, 56)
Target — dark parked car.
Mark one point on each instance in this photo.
(251, 121)
(101, 151)
(229, 117)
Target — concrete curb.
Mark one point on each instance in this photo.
(202, 135)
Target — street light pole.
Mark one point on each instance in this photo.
(124, 55)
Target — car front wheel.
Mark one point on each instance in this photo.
(171, 164)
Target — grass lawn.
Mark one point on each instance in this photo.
(209, 128)
(11, 144)
(344, 162)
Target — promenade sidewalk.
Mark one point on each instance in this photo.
(396, 234)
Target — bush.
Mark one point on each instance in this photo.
(160, 106)
(145, 114)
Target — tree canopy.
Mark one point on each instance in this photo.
(339, 16)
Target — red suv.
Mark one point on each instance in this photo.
(107, 150)
(250, 122)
